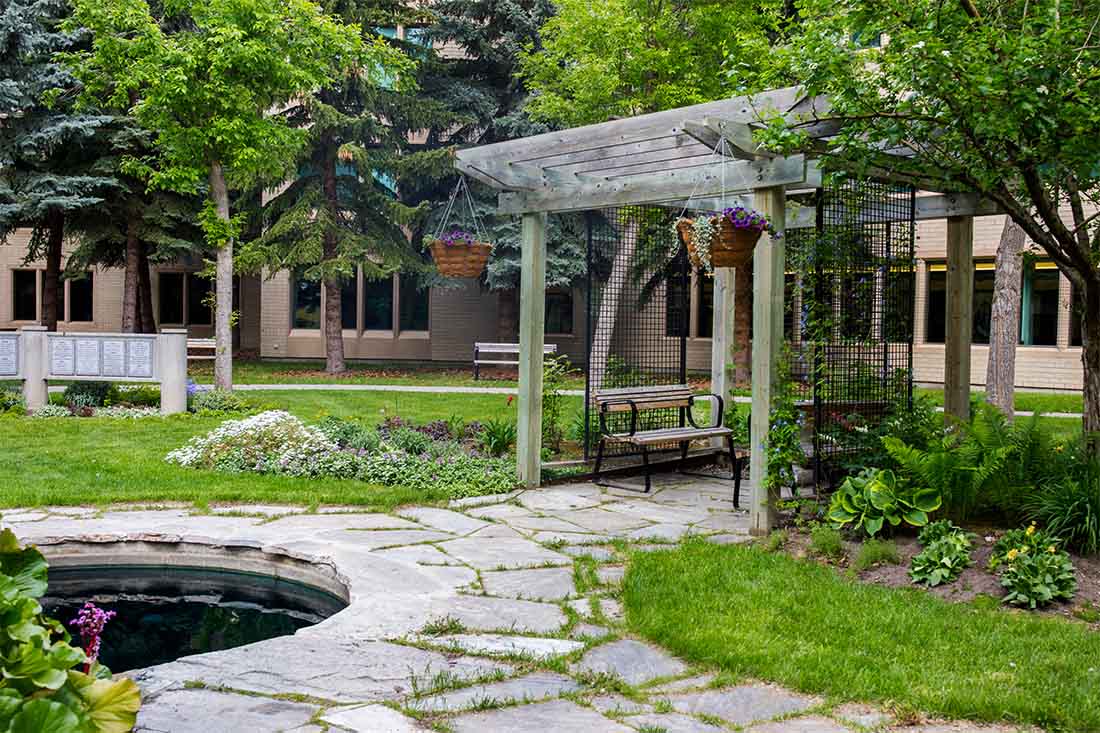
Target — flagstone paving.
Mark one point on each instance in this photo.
(467, 618)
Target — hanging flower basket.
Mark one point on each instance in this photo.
(726, 240)
(687, 235)
(459, 254)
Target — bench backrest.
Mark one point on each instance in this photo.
(202, 344)
(510, 348)
(645, 398)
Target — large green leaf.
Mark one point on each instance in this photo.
(25, 566)
(927, 500)
(44, 716)
(872, 525)
(916, 517)
(10, 702)
(112, 706)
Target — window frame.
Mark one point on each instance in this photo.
(572, 320)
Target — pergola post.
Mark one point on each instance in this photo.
(722, 338)
(532, 323)
(960, 316)
(767, 327)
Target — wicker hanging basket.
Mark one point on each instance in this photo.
(733, 246)
(687, 234)
(461, 259)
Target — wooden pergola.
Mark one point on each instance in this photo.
(669, 158)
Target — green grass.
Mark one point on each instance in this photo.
(97, 461)
(754, 614)
(396, 373)
(1044, 402)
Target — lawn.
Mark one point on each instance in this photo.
(97, 461)
(1045, 402)
(396, 373)
(760, 615)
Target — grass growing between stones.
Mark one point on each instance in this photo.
(775, 618)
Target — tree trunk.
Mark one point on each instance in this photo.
(131, 309)
(608, 313)
(147, 322)
(1004, 335)
(334, 325)
(742, 324)
(223, 287)
(51, 278)
(1089, 301)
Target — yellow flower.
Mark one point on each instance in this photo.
(1012, 554)
(1052, 549)
(1031, 529)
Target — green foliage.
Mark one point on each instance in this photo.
(826, 542)
(876, 552)
(80, 395)
(218, 401)
(410, 441)
(555, 380)
(777, 540)
(498, 435)
(1070, 508)
(140, 396)
(41, 689)
(52, 410)
(350, 434)
(875, 499)
(917, 424)
(12, 402)
(785, 452)
(1038, 578)
(1031, 539)
(945, 555)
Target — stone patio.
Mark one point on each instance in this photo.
(524, 650)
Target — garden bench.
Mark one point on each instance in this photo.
(638, 400)
(205, 348)
(501, 349)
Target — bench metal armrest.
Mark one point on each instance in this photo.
(633, 415)
(721, 410)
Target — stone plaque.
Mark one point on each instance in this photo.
(87, 357)
(63, 356)
(140, 364)
(114, 358)
(9, 355)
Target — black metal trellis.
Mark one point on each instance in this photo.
(639, 301)
(851, 284)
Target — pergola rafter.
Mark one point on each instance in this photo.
(670, 158)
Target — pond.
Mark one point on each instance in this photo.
(165, 613)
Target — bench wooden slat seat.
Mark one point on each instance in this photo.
(499, 349)
(637, 400)
(201, 345)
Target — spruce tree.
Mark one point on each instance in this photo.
(49, 168)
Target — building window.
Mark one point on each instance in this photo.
(936, 325)
(198, 301)
(1075, 337)
(1039, 305)
(559, 312)
(80, 299)
(897, 318)
(306, 304)
(25, 295)
(704, 289)
(984, 276)
(171, 298)
(677, 303)
(378, 304)
(857, 298)
(413, 305)
(349, 304)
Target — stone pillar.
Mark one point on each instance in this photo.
(34, 361)
(172, 368)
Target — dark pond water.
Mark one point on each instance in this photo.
(168, 613)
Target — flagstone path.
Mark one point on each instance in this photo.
(472, 619)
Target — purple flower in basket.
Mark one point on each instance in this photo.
(457, 237)
(743, 218)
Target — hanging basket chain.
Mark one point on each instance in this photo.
(722, 151)
(463, 188)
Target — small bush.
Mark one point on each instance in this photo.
(1031, 539)
(876, 499)
(825, 541)
(936, 531)
(140, 396)
(498, 436)
(943, 559)
(11, 402)
(218, 400)
(437, 430)
(48, 411)
(777, 540)
(126, 413)
(80, 395)
(1036, 579)
(1070, 509)
(410, 441)
(351, 434)
(876, 552)
(555, 375)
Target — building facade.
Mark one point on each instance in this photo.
(391, 320)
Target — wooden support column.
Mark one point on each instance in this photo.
(960, 316)
(532, 323)
(721, 348)
(767, 328)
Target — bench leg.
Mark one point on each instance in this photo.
(735, 466)
(683, 455)
(645, 463)
(599, 462)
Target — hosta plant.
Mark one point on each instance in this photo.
(1037, 578)
(1031, 539)
(42, 689)
(945, 555)
(875, 499)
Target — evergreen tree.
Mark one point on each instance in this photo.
(347, 207)
(49, 171)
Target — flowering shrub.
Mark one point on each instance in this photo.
(41, 687)
(218, 400)
(80, 395)
(127, 413)
(1013, 541)
(1037, 578)
(52, 410)
(397, 455)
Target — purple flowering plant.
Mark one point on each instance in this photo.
(90, 622)
(456, 237)
(745, 218)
